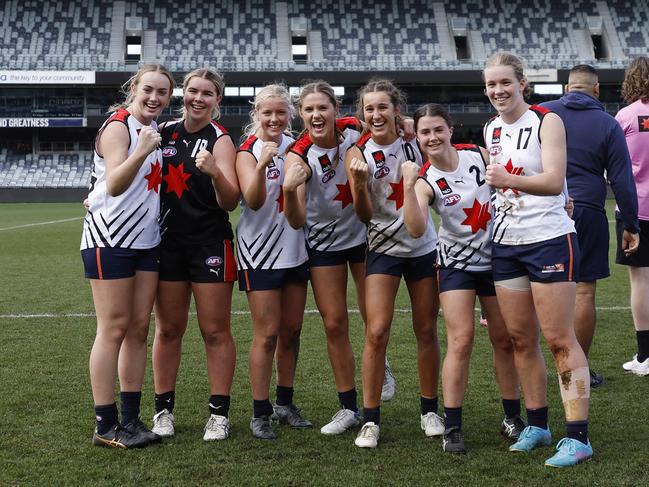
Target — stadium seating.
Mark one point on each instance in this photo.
(45, 170)
(355, 35)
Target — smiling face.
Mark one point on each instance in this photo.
(505, 90)
(151, 94)
(319, 116)
(273, 115)
(380, 115)
(434, 136)
(200, 99)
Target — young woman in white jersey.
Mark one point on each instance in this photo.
(272, 260)
(452, 182)
(317, 197)
(534, 255)
(120, 253)
(373, 166)
(199, 187)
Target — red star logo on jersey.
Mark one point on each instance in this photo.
(154, 178)
(516, 171)
(643, 124)
(397, 193)
(174, 136)
(477, 216)
(280, 200)
(176, 179)
(344, 194)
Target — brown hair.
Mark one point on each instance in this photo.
(210, 75)
(636, 81)
(128, 88)
(432, 110)
(317, 86)
(397, 97)
(505, 58)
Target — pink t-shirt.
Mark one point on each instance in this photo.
(634, 120)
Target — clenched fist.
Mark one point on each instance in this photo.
(206, 164)
(295, 175)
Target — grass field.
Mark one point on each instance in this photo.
(46, 420)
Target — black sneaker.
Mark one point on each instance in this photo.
(290, 415)
(453, 441)
(512, 427)
(596, 379)
(137, 427)
(119, 437)
(261, 428)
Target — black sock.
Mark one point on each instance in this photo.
(348, 400)
(166, 400)
(512, 408)
(261, 408)
(428, 405)
(219, 405)
(372, 415)
(130, 405)
(106, 417)
(538, 417)
(578, 430)
(284, 396)
(642, 337)
(453, 417)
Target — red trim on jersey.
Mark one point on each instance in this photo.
(229, 266)
(219, 126)
(100, 272)
(471, 147)
(424, 168)
(120, 115)
(249, 142)
(348, 123)
(570, 261)
(302, 146)
(363, 140)
(541, 111)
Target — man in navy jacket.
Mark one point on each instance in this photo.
(596, 150)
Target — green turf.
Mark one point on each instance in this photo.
(46, 416)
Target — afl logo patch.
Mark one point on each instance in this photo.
(272, 173)
(494, 150)
(214, 261)
(381, 172)
(328, 175)
(452, 199)
(169, 152)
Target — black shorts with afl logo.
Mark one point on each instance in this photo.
(198, 263)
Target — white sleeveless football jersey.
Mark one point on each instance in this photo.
(130, 220)
(265, 240)
(386, 232)
(463, 201)
(523, 218)
(331, 222)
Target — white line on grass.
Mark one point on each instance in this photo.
(42, 223)
(235, 312)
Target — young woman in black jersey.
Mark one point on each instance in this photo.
(120, 253)
(199, 187)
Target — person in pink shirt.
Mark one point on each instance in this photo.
(634, 120)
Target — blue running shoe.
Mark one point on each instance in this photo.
(570, 452)
(532, 437)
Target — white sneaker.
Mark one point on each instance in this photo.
(163, 424)
(217, 428)
(432, 424)
(343, 420)
(368, 436)
(389, 383)
(635, 367)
